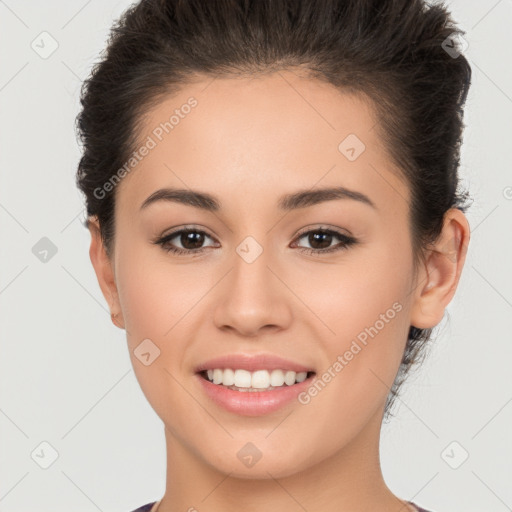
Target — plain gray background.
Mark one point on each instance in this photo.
(68, 391)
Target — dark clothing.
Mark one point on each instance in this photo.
(147, 508)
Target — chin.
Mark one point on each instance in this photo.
(263, 469)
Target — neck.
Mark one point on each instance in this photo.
(348, 480)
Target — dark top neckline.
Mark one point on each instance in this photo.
(148, 506)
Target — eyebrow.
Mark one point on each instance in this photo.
(287, 202)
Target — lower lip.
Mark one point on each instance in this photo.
(253, 403)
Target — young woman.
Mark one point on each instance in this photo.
(273, 199)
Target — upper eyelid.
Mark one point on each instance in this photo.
(186, 229)
(325, 228)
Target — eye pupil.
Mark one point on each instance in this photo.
(324, 238)
(193, 236)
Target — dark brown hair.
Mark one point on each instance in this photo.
(394, 52)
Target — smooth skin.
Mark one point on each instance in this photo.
(248, 142)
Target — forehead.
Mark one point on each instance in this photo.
(279, 133)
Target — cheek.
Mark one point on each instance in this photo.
(368, 311)
(154, 293)
(353, 293)
(157, 300)
(161, 301)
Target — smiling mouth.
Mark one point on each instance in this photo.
(257, 381)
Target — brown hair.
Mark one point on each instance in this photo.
(391, 51)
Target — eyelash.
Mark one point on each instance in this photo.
(346, 241)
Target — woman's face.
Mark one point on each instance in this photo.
(254, 289)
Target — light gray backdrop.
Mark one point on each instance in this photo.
(76, 431)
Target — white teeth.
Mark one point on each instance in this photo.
(277, 378)
(217, 376)
(228, 377)
(301, 376)
(242, 379)
(289, 378)
(260, 379)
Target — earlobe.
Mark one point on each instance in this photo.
(442, 269)
(104, 270)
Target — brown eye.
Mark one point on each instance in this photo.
(320, 241)
(191, 241)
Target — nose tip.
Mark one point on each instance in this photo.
(253, 300)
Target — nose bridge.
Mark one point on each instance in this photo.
(251, 276)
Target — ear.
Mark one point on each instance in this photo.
(440, 273)
(104, 268)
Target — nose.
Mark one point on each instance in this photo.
(253, 298)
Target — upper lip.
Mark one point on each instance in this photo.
(252, 363)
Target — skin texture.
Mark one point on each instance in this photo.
(248, 141)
